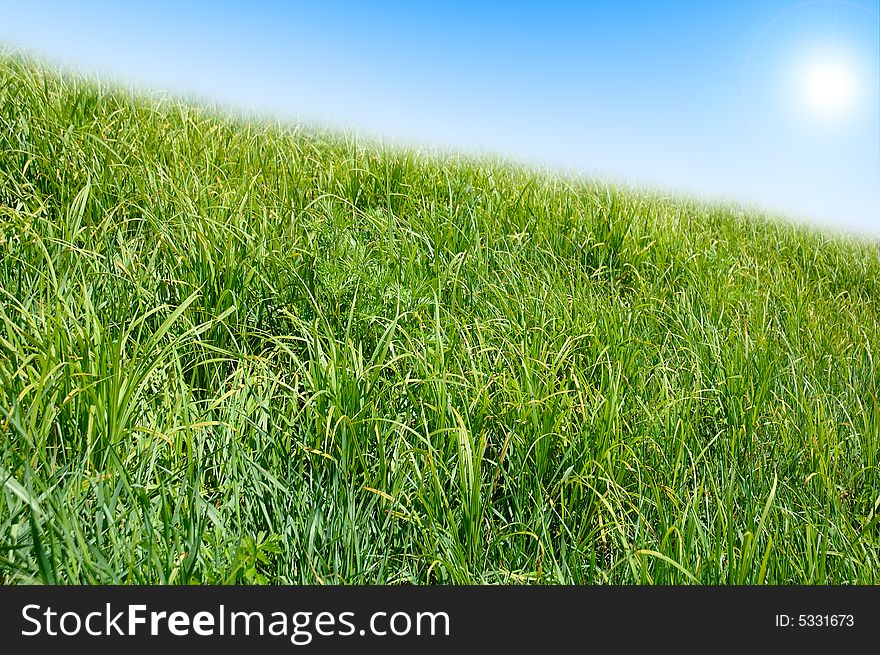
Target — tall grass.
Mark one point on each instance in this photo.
(242, 352)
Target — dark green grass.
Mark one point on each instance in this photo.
(241, 352)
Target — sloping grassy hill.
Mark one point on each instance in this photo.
(239, 352)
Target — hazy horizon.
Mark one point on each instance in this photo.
(697, 98)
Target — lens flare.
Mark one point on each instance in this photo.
(828, 87)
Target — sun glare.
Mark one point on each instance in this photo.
(828, 87)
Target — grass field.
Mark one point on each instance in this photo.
(240, 352)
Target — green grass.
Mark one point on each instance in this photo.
(239, 352)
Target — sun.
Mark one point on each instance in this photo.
(828, 87)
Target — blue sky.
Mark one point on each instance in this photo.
(700, 97)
